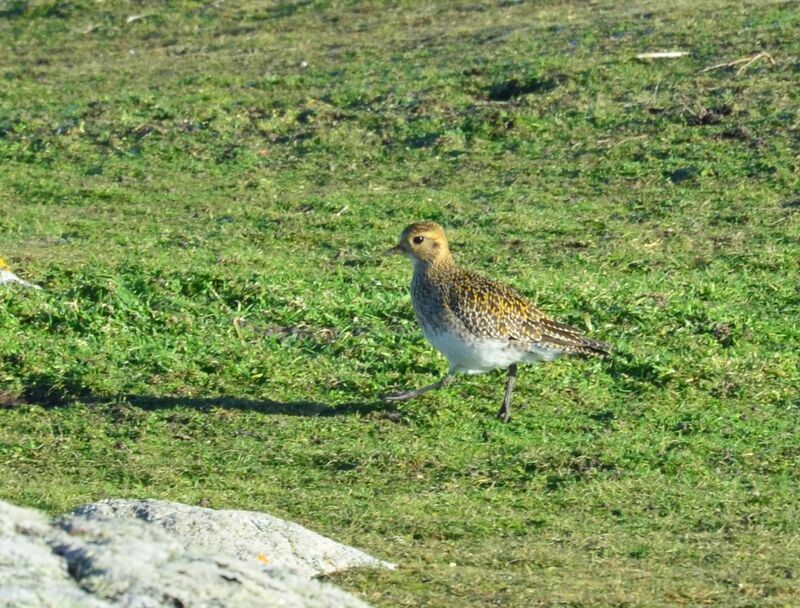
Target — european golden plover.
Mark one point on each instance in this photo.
(477, 323)
(6, 276)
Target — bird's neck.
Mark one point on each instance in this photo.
(438, 268)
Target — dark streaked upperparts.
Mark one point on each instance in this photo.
(489, 309)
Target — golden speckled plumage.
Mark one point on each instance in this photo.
(493, 310)
(477, 323)
(451, 299)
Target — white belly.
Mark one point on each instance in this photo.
(476, 356)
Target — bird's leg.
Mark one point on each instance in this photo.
(505, 410)
(405, 395)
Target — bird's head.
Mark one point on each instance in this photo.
(3, 265)
(423, 242)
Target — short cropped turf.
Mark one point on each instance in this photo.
(204, 190)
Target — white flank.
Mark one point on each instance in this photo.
(479, 356)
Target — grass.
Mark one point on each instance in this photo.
(204, 189)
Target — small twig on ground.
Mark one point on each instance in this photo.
(747, 61)
(761, 55)
(624, 140)
(662, 55)
(237, 325)
(132, 18)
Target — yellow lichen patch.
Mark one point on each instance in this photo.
(263, 558)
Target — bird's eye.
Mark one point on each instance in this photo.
(418, 239)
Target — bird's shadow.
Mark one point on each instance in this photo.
(302, 408)
(52, 399)
(47, 392)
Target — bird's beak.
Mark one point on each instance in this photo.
(396, 250)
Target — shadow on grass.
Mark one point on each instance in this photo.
(47, 395)
(262, 406)
(48, 391)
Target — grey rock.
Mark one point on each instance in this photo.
(251, 536)
(103, 563)
(31, 574)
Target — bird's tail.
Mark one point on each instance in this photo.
(570, 339)
(594, 347)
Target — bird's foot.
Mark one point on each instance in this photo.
(406, 395)
(504, 413)
(401, 396)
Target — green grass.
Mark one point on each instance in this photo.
(204, 193)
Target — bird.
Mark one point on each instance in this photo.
(6, 276)
(477, 323)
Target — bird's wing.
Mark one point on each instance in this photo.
(493, 310)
